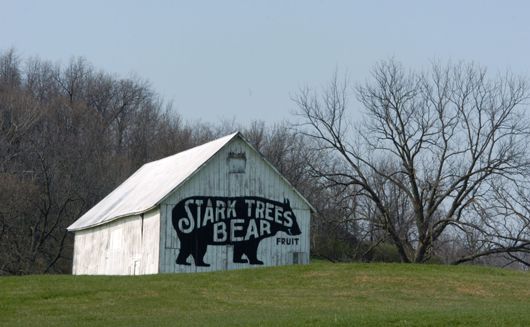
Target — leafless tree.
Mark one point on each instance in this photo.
(429, 146)
(68, 136)
(502, 225)
(9, 69)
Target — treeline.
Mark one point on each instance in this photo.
(69, 134)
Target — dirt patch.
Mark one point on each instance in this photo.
(473, 290)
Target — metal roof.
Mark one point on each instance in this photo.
(150, 184)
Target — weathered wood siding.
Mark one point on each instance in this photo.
(216, 179)
(127, 246)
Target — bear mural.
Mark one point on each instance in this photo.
(239, 221)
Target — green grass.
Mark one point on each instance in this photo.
(316, 294)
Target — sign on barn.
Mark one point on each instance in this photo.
(217, 206)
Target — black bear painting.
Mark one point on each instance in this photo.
(239, 221)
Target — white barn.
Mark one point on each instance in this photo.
(218, 206)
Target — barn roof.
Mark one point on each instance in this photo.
(150, 184)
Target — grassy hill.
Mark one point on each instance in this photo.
(316, 294)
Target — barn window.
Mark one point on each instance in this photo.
(237, 161)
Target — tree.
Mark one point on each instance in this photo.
(68, 136)
(503, 225)
(428, 149)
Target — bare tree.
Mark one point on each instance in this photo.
(68, 136)
(427, 150)
(502, 225)
(9, 69)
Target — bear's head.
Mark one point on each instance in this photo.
(291, 226)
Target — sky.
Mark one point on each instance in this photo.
(245, 60)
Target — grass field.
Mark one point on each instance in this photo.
(316, 294)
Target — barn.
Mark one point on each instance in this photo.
(218, 206)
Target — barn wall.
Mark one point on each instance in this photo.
(127, 246)
(218, 178)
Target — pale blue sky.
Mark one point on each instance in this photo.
(244, 59)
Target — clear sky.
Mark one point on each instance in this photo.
(244, 60)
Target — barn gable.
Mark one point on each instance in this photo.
(235, 172)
